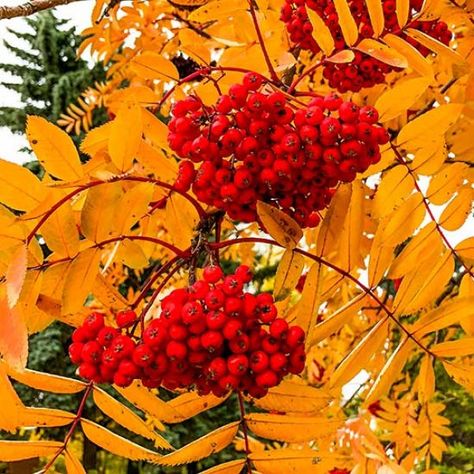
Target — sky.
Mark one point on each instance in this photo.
(79, 16)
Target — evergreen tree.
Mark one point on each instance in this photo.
(50, 75)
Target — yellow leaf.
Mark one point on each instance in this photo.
(458, 210)
(108, 295)
(346, 22)
(463, 375)
(396, 185)
(11, 451)
(54, 149)
(46, 382)
(217, 9)
(451, 312)
(429, 126)
(336, 320)
(404, 221)
(402, 9)
(308, 306)
(203, 447)
(135, 201)
(359, 357)
(44, 417)
(73, 466)
(60, 232)
(399, 98)
(344, 56)
(292, 397)
(321, 33)
(20, 189)
(99, 210)
(127, 418)
(426, 380)
(390, 371)
(231, 467)
(423, 285)
(291, 429)
(80, 279)
(15, 275)
(13, 336)
(465, 249)
(382, 52)
(279, 225)
(11, 403)
(125, 136)
(289, 270)
(151, 65)
(435, 45)
(416, 60)
(146, 401)
(191, 404)
(381, 255)
(181, 220)
(116, 444)
(350, 236)
(466, 290)
(329, 231)
(430, 157)
(155, 130)
(97, 139)
(376, 16)
(296, 461)
(155, 160)
(459, 348)
(131, 254)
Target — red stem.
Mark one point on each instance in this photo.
(430, 212)
(261, 41)
(50, 212)
(300, 78)
(73, 427)
(245, 431)
(368, 291)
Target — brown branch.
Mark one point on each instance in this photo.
(30, 8)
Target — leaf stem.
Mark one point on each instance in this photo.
(73, 427)
(245, 431)
(309, 71)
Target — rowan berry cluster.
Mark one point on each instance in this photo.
(363, 71)
(212, 336)
(255, 144)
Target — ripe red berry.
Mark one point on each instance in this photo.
(106, 335)
(237, 364)
(94, 323)
(176, 350)
(212, 341)
(126, 318)
(278, 328)
(122, 346)
(91, 352)
(295, 336)
(259, 361)
(267, 379)
(75, 352)
(278, 362)
(142, 355)
(87, 371)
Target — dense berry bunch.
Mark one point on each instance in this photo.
(255, 145)
(363, 71)
(212, 336)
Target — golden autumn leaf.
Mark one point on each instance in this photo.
(376, 15)
(11, 451)
(19, 188)
(203, 447)
(321, 33)
(458, 210)
(291, 429)
(346, 22)
(79, 280)
(190, 404)
(151, 65)
(44, 417)
(13, 336)
(461, 374)
(54, 149)
(279, 225)
(458, 348)
(73, 466)
(426, 380)
(289, 461)
(116, 444)
(289, 270)
(126, 417)
(181, 220)
(231, 467)
(402, 9)
(46, 382)
(382, 52)
(15, 275)
(341, 57)
(125, 136)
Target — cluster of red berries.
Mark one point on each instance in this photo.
(212, 336)
(363, 71)
(255, 144)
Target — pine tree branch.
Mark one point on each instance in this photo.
(29, 8)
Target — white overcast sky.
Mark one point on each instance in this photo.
(79, 16)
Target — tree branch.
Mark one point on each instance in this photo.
(30, 8)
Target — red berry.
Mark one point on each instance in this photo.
(126, 318)
(122, 346)
(267, 379)
(212, 341)
(91, 352)
(87, 371)
(278, 328)
(106, 335)
(259, 361)
(75, 352)
(237, 364)
(295, 336)
(278, 362)
(94, 323)
(142, 355)
(176, 350)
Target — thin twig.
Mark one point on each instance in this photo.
(245, 431)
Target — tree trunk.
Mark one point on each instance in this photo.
(28, 466)
(89, 456)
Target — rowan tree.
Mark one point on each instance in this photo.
(317, 136)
